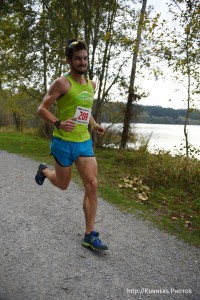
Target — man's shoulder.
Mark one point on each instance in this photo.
(93, 84)
(62, 80)
(62, 84)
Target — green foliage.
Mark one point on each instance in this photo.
(33, 36)
(17, 19)
(167, 171)
(20, 106)
(180, 48)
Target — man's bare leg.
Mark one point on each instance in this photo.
(60, 177)
(90, 213)
(87, 168)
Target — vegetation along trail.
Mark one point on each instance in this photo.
(41, 256)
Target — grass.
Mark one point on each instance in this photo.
(160, 188)
(26, 144)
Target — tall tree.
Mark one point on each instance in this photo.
(19, 106)
(34, 55)
(17, 23)
(132, 96)
(180, 48)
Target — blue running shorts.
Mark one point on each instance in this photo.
(65, 153)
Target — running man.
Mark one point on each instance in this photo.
(73, 94)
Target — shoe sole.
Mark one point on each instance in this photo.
(90, 246)
(40, 180)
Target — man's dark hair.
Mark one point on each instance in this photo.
(74, 45)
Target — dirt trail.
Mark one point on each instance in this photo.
(41, 257)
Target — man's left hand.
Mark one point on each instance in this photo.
(99, 129)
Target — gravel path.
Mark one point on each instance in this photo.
(41, 257)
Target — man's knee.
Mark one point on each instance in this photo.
(91, 185)
(63, 186)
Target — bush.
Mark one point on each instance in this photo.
(162, 169)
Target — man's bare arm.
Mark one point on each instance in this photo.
(52, 95)
(58, 88)
(98, 128)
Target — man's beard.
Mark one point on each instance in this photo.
(80, 72)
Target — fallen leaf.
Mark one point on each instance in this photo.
(188, 223)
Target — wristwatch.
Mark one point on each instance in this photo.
(57, 124)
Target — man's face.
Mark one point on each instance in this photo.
(79, 62)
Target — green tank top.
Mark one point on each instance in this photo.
(77, 102)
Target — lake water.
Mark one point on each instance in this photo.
(166, 136)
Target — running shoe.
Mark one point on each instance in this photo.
(40, 177)
(91, 240)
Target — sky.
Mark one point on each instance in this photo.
(163, 90)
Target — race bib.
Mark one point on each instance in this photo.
(82, 115)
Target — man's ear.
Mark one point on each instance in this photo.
(67, 60)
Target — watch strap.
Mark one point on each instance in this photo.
(57, 124)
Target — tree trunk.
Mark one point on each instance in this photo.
(131, 93)
(109, 29)
(44, 52)
(18, 122)
(188, 100)
(94, 39)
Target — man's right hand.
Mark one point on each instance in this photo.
(68, 125)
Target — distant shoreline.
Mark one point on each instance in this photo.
(113, 112)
